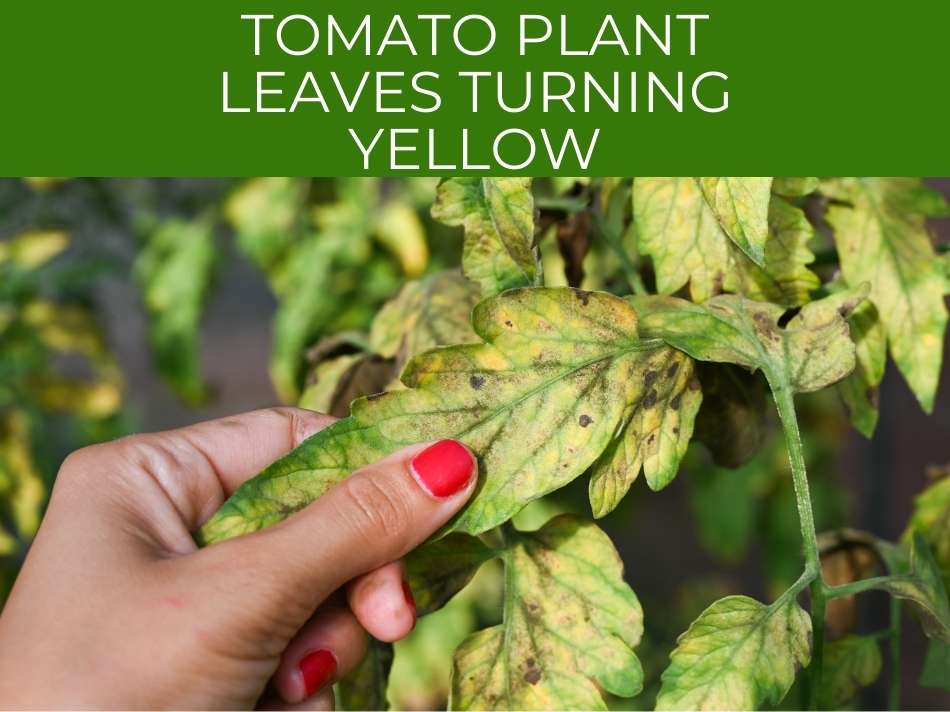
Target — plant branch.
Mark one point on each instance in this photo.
(850, 589)
(785, 403)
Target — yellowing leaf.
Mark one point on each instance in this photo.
(881, 234)
(677, 228)
(794, 187)
(850, 663)
(931, 517)
(433, 311)
(662, 398)
(537, 403)
(569, 627)
(33, 249)
(498, 216)
(174, 270)
(264, 213)
(741, 205)
(440, 569)
(22, 491)
(399, 229)
(813, 350)
(738, 655)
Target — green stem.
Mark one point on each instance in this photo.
(894, 701)
(850, 589)
(785, 403)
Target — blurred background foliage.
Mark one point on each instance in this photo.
(249, 292)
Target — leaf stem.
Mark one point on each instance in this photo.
(894, 700)
(850, 589)
(785, 403)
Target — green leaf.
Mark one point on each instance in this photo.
(881, 234)
(174, 272)
(440, 569)
(537, 403)
(917, 578)
(498, 216)
(741, 205)
(936, 672)
(794, 187)
(365, 687)
(850, 663)
(859, 391)
(663, 397)
(30, 250)
(433, 311)
(738, 655)
(680, 232)
(570, 625)
(813, 350)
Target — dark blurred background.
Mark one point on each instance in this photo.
(656, 532)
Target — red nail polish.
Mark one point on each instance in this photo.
(317, 669)
(444, 468)
(410, 599)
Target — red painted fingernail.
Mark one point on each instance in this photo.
(317, 668)
(410, 599)
(444, 468)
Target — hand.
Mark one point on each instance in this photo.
(117, 608)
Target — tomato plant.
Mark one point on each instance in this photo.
(595, 329)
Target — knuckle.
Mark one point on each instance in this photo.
(378, 508)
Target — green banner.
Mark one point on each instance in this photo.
(729, 87)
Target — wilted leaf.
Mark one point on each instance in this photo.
(917, 578)
(433, 311)
(569, 629)
(741, 205)
(850, 663)
(882, 238)
(440, 569)
(662, 398)
(936, 672)
(733, 419)
(738, 655)
(813, 350)
(30, 250)
(173, 270)
(679, 231)
(339, 381)
(537, 403)
(498, 216)
(365, 687)
(794, 187)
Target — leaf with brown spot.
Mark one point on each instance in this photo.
(569, 628)
(662, 398)
(916, 578)
(497, 214)
(813, 350)
(548, 357)
(741, 205)
(859, 391)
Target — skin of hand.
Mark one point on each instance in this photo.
(116, 607)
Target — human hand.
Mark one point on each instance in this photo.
(116, 607)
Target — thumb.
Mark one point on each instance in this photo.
(375, 516)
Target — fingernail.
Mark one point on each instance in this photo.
(410, 599)
(444, 468)
(317, 668)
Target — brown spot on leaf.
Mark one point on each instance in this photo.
(532, 675)
(508, 323)
(650, 399)
(676, 401)
(651, 438)
(650, 377)
(584, 296)
(375, 396)
(585, 420)
(671, 371)
(476, 382)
